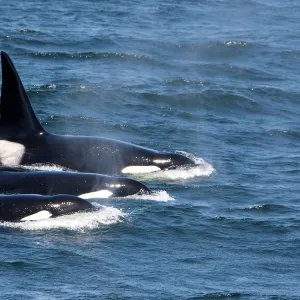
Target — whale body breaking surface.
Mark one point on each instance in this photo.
(25, 142)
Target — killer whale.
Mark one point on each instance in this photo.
(23, 140)
(84, 185)
(38, 207)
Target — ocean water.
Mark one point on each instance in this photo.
(218, 80)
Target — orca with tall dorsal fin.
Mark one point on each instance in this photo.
(23, 141)
(38, 207)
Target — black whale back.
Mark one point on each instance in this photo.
(16, 207)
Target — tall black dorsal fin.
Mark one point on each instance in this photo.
(15, 107)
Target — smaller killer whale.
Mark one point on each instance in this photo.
(38, 207)
(84, 185)
(23, 141)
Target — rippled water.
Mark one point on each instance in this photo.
(218, 80)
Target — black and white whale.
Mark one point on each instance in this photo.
(23, 141)
(84, 185)
(38, 207)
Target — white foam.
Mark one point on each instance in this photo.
(235, 43)
(195, 159)
(80, 221)
(45, 167)
(159, 196)
(180, 173)
(203, 170)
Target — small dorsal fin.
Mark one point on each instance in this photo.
(15, 108)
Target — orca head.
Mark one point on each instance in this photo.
(156, 162)
(123, 187)
(117, 187)
(32, 207)
(67, 204)
(171, 160)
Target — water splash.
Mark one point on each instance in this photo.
(46, 167)
(81, 221)
(181, 173)
(235, 43)
(159, 196)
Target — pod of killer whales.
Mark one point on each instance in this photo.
(96, 164)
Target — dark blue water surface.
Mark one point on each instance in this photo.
(216, 79)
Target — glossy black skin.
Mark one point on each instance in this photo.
(93, 154)
(72, 183)
(16, 207)
(19, 124)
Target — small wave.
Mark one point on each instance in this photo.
(217, 296)
(212, 45)
(208, 99)
(214, 50)
(15, 264)
(185, 81)
(80, 221)
(235, 43)
(47, 86)
(27, 31)
(92, 55)
(180, 173)
(284, 132)
(159, 196)
(265, 207)
(292, 53)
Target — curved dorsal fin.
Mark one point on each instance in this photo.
(15, 107)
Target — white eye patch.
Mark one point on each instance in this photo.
(139, 169)
(41, 215)
(97, 194)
